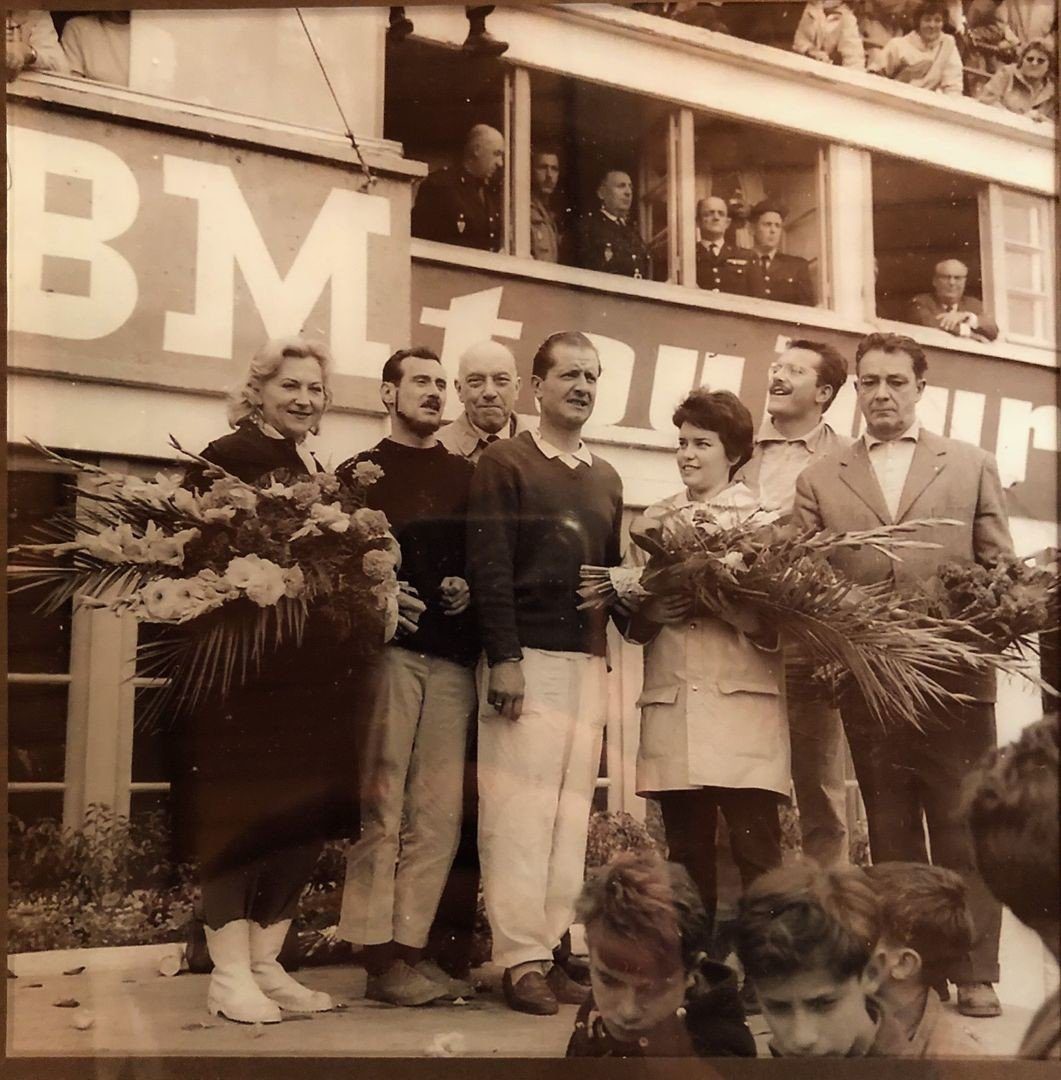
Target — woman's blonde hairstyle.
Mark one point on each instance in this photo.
(243, 403)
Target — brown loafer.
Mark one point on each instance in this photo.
(530, 995)
(564, 988)
(978, 999)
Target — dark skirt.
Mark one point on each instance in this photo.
(275, 763)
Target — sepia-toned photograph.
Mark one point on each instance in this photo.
(532, 534)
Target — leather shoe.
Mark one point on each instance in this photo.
(978, 999)
(564, 988)
(530, 995)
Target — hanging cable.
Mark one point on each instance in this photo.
(370, 178)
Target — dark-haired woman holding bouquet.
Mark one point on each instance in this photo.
(714, 734)
(270, 770)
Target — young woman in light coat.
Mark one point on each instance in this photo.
(714, 733)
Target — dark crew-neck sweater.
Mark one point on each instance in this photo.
(424, 493)
(532, 522)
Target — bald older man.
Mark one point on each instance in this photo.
(487, 385)
(947, 307)
(462, 204)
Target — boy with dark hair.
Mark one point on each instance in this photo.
(806, 938)
(1012, 804)
(925, 928)
(655, 993)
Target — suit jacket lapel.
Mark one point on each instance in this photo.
(857, 472)
(928, 461)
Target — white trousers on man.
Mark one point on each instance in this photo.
(536, 781)
(412, 781)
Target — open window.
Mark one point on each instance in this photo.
(748, 166)
(921, 217)
(595, 129)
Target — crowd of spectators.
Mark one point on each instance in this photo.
(979, 48)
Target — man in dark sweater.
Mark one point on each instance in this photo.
(413, 757)
(541, 506)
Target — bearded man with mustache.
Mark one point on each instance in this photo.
(413, 765)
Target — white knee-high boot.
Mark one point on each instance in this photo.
(233, 993)
(272, 980)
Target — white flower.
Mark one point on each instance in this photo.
(331, 516)
(262, 580)
(734, 560)
(378, 565)
(367, 472)
(294, 581)
(173, 600)
(163, 549)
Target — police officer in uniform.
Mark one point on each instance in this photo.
(606, 239)
(774, 276)
(463, 205)
(721, 266)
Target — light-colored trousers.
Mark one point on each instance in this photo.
(818, 756)
(412, 776)
(536, 781)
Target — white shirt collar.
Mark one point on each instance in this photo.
(913, 433)
(570, 458)
(613, 217)
(768, 433)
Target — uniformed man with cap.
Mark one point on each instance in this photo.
(462, 205)
(721, 265)
(606, 239)
(775, 276)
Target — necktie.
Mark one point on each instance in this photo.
(765, 260)
(485, 442)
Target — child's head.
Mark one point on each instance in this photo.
(806, 938)
(925, 924)
(645, 928)
(1012, 806)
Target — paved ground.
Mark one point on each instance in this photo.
(126, 1007)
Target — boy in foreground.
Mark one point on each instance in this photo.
(807, 939)
(655, 992)
(925, 929)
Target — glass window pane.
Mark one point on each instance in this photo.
(36, 731)
(1023, 270)
(1017, 220)
(1023, 316)
(154, 740)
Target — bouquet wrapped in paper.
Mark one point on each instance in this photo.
(234, 569)
(782, 576)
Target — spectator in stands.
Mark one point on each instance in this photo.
(1012, 812)
(32, 44)
(985, 44)
(706, 14)
(545, 218)
(655, 992)
(462, 205)
(606, 239)
(774, 276)
(948, 308)
(479, 42)
(926, 57)
(1027, 87)
(828, 31)
(807, 939)
(97, 46)
(926, 928)
(882, 20)
(721, 265)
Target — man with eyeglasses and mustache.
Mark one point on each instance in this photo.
(414, 743)
(541, 506)
(803, 382)
(912, 776)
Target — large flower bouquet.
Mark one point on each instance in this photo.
(234, 569)
(782, 578)
(997, 608)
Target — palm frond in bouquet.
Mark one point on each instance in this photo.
(232, 571)
(783, 576)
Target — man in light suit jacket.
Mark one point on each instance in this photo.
(896, 472)
(947, 307)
